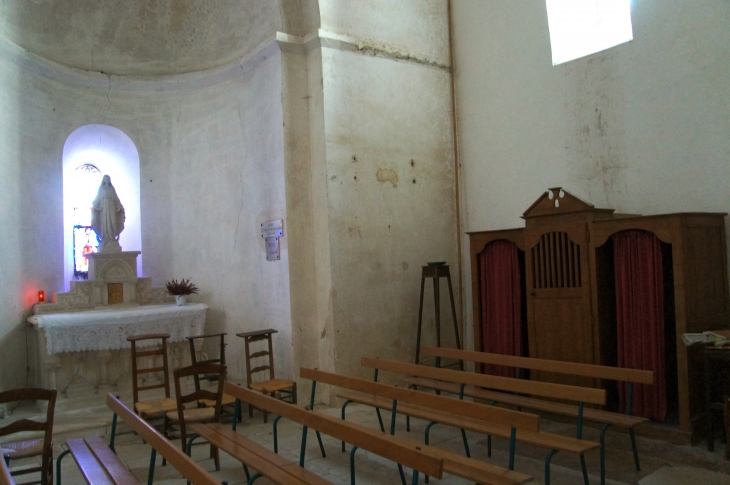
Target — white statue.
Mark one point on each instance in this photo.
(107, 216)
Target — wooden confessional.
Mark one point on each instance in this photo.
(570, 302)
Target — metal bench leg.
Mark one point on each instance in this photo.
(344, 404)
(321, 446)
(236, 413)
(603, 453)
(466, 443)
(245, 470)
(276, 434)
(380, 420)
(58, 465)
(583, 468)
(190, 447)
(151, 474)
(547, 466)
(113, 434)
(512, 442)
(253, 478)
(402, 475)
(428, 429)
(415, 478)
(633, 447)
(352, 465)
(304, 446)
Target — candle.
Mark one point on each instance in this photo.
(41, 296)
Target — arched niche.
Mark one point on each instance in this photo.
(115, 154)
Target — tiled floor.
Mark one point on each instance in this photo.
(662, 463)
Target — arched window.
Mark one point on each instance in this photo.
(90, 152)
(86, 180)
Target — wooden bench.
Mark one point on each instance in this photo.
(552, 442)
(100, 465)
(460, 414)
(607, 418)
(268, 464)
(405, 452)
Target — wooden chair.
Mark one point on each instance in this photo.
(31, 447)
(286, 389)
(151, 408)
(185, 416)
(228, 400)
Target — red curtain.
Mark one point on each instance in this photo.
(640, 318)
(501, 301)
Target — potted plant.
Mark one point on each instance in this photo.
(181, 289)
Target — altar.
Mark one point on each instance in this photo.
(81, 335)
(75, 349)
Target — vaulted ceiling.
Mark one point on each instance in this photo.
(144, 37)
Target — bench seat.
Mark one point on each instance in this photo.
(98, 463)
(597, 415)
(549, 441)
(267, 463)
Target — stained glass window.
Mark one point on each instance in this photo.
(87, 179)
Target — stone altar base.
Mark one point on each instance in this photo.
(84, 378)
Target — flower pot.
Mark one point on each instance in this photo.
(180, 300)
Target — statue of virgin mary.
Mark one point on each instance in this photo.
(107, 216)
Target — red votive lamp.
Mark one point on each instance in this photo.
(41, 296)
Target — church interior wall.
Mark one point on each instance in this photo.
(389, 166)
(211, 164)
(641, 127)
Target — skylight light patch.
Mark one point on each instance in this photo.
(582, 27)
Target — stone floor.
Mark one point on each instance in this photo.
(662, 463)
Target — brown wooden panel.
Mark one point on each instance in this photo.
(543, 389)
(505, 417)
(587, 370)
(704, 273)
(402, 451)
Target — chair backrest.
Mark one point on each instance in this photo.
(194, 359)
(137, 371)
(255, 336)
(197, 394)
(32, 394)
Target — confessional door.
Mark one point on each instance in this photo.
(560, 320)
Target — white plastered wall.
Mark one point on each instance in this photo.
(641, 128)
(211, 170)
(389, 174)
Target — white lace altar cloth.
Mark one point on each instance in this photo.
(109, 329)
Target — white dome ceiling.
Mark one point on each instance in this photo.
(140, 37)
